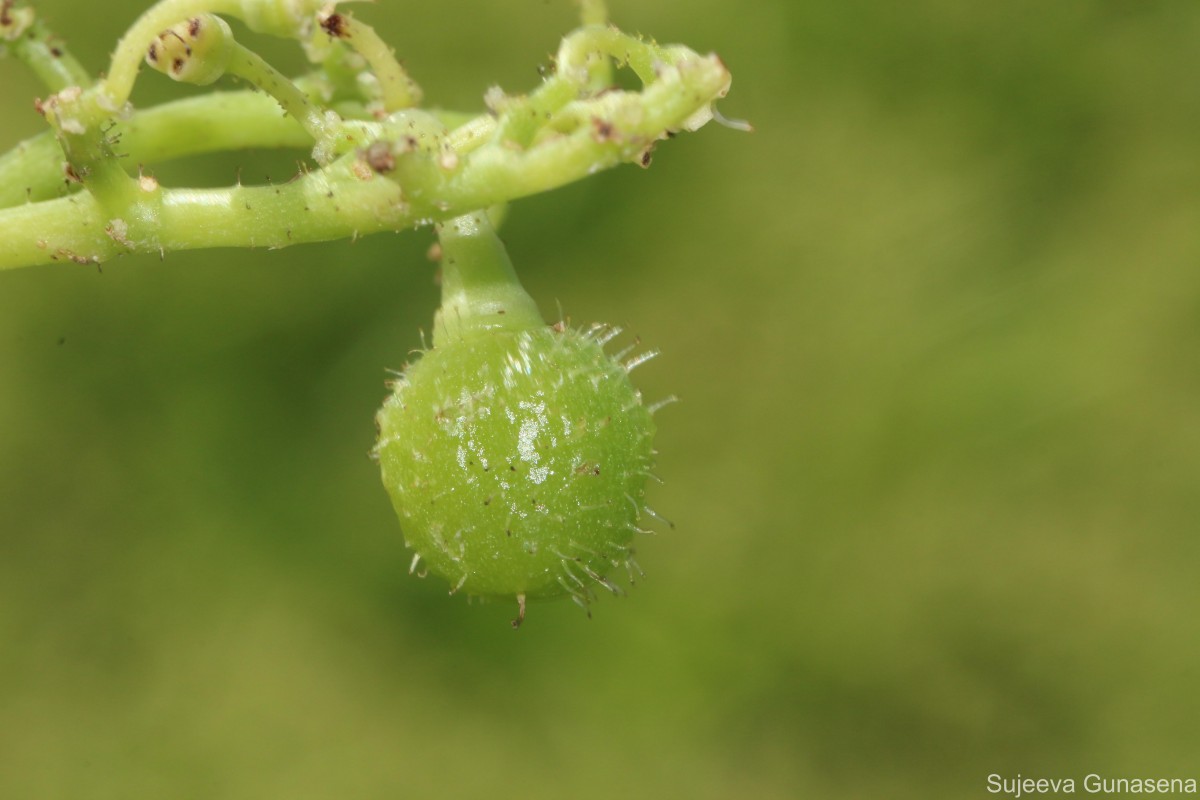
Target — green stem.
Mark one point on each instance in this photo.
(398, 89)
(250, 66)
(286, 18)
(329, 204)
(209, 123)
(32, 171)
(480, 289)
(593, 12)
(79, 126)
(127, 58)
(643, 57)
(399, 173)
(332, 135)
(518, 127)
(47, 56)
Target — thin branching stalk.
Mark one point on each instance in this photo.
(85, 192)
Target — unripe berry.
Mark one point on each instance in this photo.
(515, 453)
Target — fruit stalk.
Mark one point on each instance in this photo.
(480, 288)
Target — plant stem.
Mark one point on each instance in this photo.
(346, 199)
(593, 12)
(32, 171)
(313, 208)
(127, 59)
(403, 171)
(250, 66)
(398, 89)
(210, 123)
(48, 57)
(480, 288)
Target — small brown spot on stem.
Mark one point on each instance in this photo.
(379, 156)
(603, 130)
(334, 25)
(362, 171)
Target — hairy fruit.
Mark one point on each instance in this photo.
(517, 462)
(515, 453)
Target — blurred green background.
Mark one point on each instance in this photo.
(936, 475)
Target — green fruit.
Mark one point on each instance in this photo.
(517, 462)
(515, 454)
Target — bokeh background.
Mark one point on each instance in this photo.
(936, 475)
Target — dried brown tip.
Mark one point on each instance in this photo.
(334, 25)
